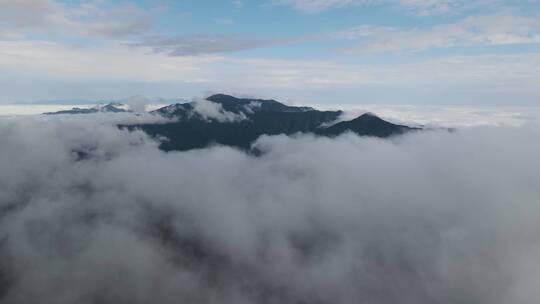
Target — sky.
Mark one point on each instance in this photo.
(447, 52)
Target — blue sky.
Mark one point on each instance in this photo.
(304, 51)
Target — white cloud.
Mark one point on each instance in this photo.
(434, 215)
(411, 7)
(137, 103)
(223, 21)
(214, 111)
(442, 116)
(202, 44)
(88, 19)
(48, 60)
(238, 3)
(32, 13)
(488, 70)
(473, 79)
(415, 7)
(471, 31)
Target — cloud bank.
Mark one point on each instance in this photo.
(93, 214)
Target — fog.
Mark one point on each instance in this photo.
(93, 214)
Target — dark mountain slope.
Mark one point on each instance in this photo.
(192, 134)
(262, 117)
(366, 125)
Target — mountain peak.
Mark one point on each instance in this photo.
(368, 116)
(220, 96)
(245, 107)
(190, 128)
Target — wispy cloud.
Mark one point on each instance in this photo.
(488, 78)
(314, 6)
(432, 7)
(117, 44)
(201, 44)
(434, 215)
(22, 18)
(471, 31)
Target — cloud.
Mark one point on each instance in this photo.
(202, 44)
(238, 3)
(31, 13)
(112, 62)
(137, 103)
(315, 6)
(434, 7)
(418, 8)
(431, 216)
(471, 31)
(55, 71)
(89, 19)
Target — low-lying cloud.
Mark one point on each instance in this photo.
(93, 214)
(209, 110)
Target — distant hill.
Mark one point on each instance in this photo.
(105, 108)
(227, 120)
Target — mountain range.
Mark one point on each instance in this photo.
(238, 122)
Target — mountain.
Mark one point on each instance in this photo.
(366, 125)
(233, 104)
(238, 122)
(104, 108)
(224, 104)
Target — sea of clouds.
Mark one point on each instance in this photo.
(90, 213)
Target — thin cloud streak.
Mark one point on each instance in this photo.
(202, 44)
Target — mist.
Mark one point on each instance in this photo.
(90, 213)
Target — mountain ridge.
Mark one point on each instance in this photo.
(238, 122)
(191, 129)
(112, 107)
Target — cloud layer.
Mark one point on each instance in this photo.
(93, 214)
(483, 51)
(57, 71)
(471, 31)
